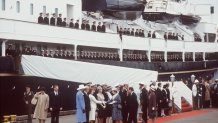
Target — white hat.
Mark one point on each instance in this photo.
(141, 83)
(81, 87)
(114, 89)
(196, 81)
(216, 80)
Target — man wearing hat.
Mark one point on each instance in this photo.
(94, 26)
(52, 20)
(195, 94)
(144, 101)
(80, 105)
(59, 20)
(28, 96)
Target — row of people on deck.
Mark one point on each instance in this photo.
(173, 36)
(63, 23)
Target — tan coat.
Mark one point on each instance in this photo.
(42, 106)
(207, 92)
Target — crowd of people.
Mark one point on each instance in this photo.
(204, 93)
(121, 104)
(58, 21)
(173, 36)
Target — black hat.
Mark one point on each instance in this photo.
(42, 89)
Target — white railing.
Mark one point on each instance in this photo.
(33, 32)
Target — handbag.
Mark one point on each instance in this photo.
(34, 101)
(119, 106)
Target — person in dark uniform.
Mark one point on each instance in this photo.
(140, 33)
(52, 20)
(99, 27)
(132, 106)
(71, 25)
(103, 27)
(149, 34)
(40, 18)
(87, 25)
(87, 103)
(77, 24)
(137, 32)
(93, 26)
(169, 35)
(165, 35)
(168, 98)
(83, 25)
(143, 33)
(64, 23)
(125, 31)
(128, 31)
(55, 104)
(165, 103)
(202, 90)
(59, 20)
(182, 37)
(28, 96)
(154, 35)
(50, 54)
(159, 95)
(132, 32)
(46, 19)
(144, 102)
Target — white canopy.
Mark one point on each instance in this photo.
(84, 72)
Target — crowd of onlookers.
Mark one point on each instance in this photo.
(58, 21)
(102, 103)
(205, 93)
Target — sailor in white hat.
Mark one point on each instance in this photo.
(195, 94)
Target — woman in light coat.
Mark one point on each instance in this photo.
(207, 95)
(93, 105)
(42, 105)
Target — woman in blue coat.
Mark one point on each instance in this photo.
(117, 107)
(80, 105)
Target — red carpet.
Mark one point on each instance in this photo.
(182, 115)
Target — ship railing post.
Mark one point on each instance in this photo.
(204, 56)
(194, 56)
(183, 56)
(4, 47)
(121, 51)
(149, 51)
(165, 52)
(75, 52)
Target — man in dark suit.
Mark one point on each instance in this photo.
(71, 25)
(103, 27)
(94, 26)
(64, 23)
(159, 99)
(132, 32)
(52, 20)
(87, 103)
(77, 24)
(132, 105)
(56, 104)
(83, 25)
(144, 102)
(99, 27)
(165, 35)
(46, 19)
(59, 20)
(149, 34)
(123, 95)
(40, 18)
(87, 25)
(137, 32)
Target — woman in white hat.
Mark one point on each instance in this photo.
(80, 105)
(195, 94)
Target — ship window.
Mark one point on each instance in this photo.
(31, 9)
(56, 11)
(3, 5)
(44, 9)
(18, 6)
